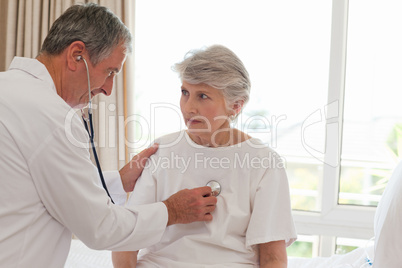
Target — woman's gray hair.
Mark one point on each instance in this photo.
(96, 26)
(218, 67)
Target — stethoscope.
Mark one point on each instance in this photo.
(90, 129)
(215, 187)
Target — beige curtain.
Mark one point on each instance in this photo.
(23, 27)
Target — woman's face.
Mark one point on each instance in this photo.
(204, 112)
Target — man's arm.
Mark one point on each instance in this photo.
(273, 254)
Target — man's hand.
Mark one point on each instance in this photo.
(188, 206)
(133, 169)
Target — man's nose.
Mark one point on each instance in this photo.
(108, 86)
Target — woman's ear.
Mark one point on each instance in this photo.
(237, 106)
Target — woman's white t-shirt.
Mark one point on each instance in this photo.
(253, 206)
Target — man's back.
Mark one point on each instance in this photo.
(25, 128)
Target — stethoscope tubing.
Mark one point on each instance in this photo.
(91, 138)
(91, 132)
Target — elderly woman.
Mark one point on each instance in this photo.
(252, 223)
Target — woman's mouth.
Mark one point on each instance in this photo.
(192, 121)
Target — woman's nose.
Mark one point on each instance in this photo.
(190, 106)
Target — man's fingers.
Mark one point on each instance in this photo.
(151, 150)
(210, 200)
(204, 190)
(192, 205)
(209, 209)
(145, 154)
(207, 217)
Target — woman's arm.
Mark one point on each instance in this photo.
(273, 254)
(124, 259)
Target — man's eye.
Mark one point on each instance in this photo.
(203, 96)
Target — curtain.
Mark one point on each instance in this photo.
(23, 27)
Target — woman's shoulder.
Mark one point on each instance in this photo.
(170, 140)
(259, 148)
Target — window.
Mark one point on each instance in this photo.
(372, 119)
(331, 115)
(305, 246)
(345, 245)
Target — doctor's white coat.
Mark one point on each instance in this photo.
(49, 186)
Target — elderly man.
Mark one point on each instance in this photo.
(49, 186)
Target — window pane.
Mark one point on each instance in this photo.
(346, 245)
(372, 135)
(285, 47)
(304, 247)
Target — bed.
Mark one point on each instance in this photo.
(358, 258)
(81, 256)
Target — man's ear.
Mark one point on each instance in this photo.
(73, 51)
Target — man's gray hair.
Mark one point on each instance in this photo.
(218, 67)
(96, 26)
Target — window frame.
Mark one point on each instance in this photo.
(335, 220)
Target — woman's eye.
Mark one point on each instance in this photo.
(184, 92)
(203, 96)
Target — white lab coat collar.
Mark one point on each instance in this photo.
(34, 68)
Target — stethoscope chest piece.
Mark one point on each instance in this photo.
(215, 187)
